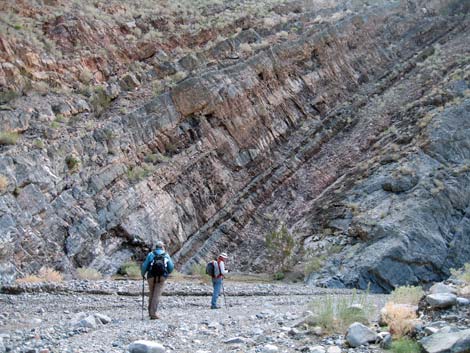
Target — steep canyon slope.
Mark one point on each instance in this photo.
(346, 121)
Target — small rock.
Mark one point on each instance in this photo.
(333, 349)
(359, 334)
(386, 342)
(269, 348)
(235, 340)
(103, 318)
(143, 346)
(463, 301)
(317, 349)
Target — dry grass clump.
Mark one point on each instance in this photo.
(130, 269)
(8, 137)
(400, 318)
(45, 274)
(199, 271)
(407, 295)
(337, 313)
(89, 274)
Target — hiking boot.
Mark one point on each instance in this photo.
(216, 307)
(154, 317)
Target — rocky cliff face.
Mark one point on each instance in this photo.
(345, 122)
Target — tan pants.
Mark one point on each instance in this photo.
(156, 289)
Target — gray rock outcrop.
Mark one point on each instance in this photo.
(455, 342)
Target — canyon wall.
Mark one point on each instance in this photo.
(352, 131)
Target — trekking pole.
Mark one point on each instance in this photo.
(223, 292)
(143, 287)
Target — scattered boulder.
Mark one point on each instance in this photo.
(359, 334)
(463, 301)
(317, 349)
(386, 340)
(333, 349)
(235, 340)
(103, 318)
(442, 288)
(143, 346)
(441, 300)
(269, 348)
(128, 82)
(444, 342)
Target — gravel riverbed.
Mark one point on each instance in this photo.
(106, 316)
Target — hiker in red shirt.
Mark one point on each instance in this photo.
(217, 280)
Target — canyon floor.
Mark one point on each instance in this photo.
(253, 315)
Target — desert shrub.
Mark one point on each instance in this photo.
(8, 137)
(45, 274)
(38, 143)
(399, 318)
(337, 313)
(407, 295)
(463, 274)
(314, 264)
(7, 96)
(137, 173)
(85, 76)
(405, 345)
(50, 275)
(279, 276)
(199, 271)
(29, 279)
(73, 163)
(280, 245)
(100, 100)
(89, 274)
(3, 183)
(130, 269)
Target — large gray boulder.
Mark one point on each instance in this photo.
(442, 342)
(442, 288)
(359, 334)
(441, 300)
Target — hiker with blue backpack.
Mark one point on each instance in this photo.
(157, 265)
(217, 270)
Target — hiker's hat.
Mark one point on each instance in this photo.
(159, 244)
(223, 255)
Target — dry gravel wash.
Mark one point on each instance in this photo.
(256, 314)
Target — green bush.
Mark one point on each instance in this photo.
(279, 276)
(407, 295)
(100, 100)
(463, 274)
(8, 137)
(73, 163)
(130, 269)
(137, 173)
(405, 345)
(280, 245)
(314, 264)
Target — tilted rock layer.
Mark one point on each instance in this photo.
(352, 131)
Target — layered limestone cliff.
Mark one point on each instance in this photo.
(351, 130)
